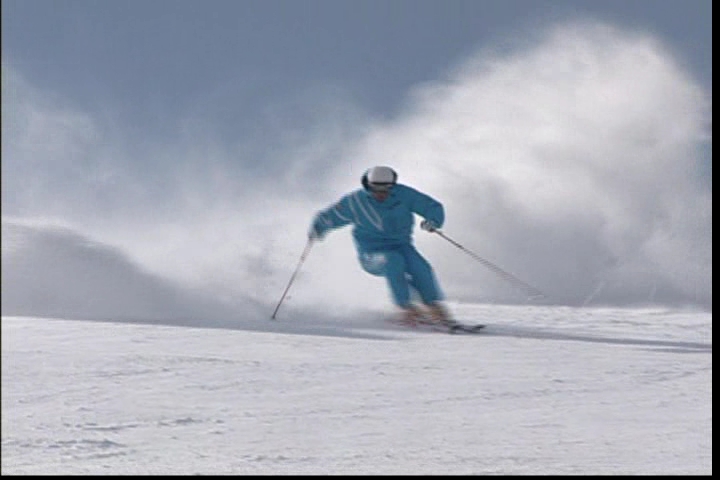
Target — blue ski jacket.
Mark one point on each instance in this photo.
(380, 225)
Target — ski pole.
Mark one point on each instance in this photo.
(531, 291)
(292, 278)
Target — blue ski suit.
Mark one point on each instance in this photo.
(382, 234)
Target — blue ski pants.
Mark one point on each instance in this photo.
(405, 269)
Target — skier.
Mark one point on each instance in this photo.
(382, 215)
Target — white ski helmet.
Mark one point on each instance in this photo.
(379, 178)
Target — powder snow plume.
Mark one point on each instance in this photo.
(578, 160)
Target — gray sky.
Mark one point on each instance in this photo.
(570, 141)
(153, 59)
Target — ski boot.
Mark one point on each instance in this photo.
(438, 314)
(410, 316)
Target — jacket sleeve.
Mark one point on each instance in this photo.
(335, 216)
(427, 207)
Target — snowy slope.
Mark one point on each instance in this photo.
(544, 391)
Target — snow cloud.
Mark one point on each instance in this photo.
(579, 162)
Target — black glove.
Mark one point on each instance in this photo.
(313, 234)
(428, 225)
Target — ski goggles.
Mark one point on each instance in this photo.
(380, 187)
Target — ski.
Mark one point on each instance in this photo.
(453, 327)
(457, 327)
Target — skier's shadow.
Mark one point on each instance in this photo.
(546, 334)
(376, 326)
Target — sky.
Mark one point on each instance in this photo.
(543, 391)
(186, 145)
